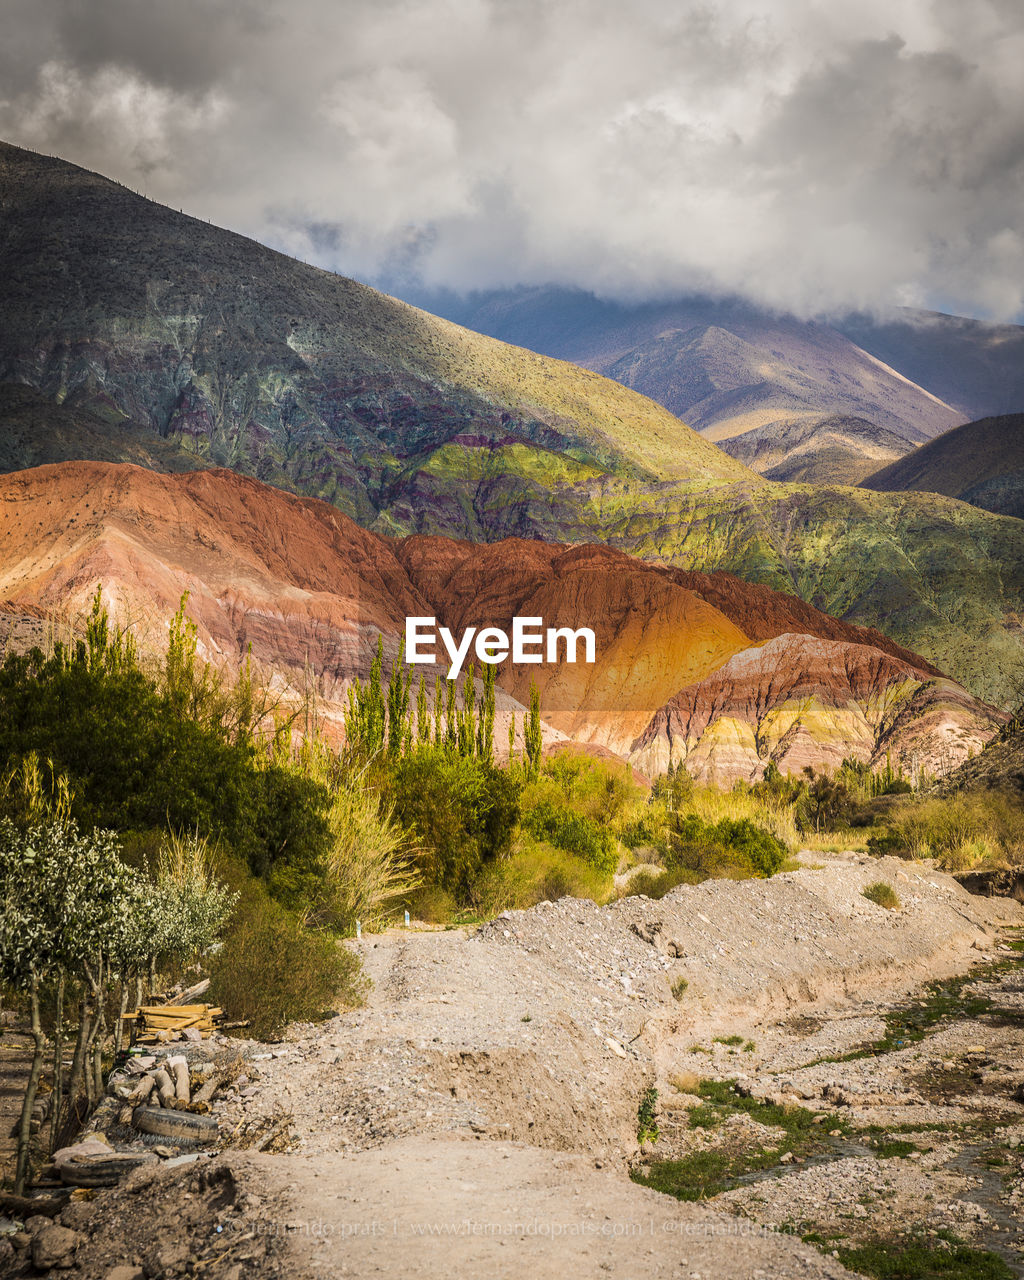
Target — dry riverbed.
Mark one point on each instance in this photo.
(479, 1115)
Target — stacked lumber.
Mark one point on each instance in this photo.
(159, 1023)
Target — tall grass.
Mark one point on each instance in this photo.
(369, 860)
(960, 832)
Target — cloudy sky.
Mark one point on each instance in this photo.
(809, 154)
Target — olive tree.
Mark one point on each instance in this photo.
(63, 893)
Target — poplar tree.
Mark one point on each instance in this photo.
(534, 742)
(485, 726)
(422, 713)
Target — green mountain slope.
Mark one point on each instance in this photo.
(35, 430)
(725, 366)
(250, 359)
(980, 462)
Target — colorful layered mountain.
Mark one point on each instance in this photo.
(802, 701)
(250, 359)
(980, 462)
(158, 339)
(688, 665)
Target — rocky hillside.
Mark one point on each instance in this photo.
(250, 359)
(307, 589)
(724, 366)
(980, 462)
(803, 701)
(975, 366)
(818, 450)
(158, 339)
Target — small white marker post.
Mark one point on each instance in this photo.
(359, 929)
(407, 918)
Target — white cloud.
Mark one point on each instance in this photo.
(806, 154)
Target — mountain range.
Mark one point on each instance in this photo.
(132, 333)
(689, 666)
(819, 401)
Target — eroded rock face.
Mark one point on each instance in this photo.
(689, 665)
(801, 700)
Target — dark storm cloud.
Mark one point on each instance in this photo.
(806, 154)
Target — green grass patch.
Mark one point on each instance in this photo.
(729, 1040)
(882, 895)
(917, 1258)
(704, 1174)
(942, 1002)
(893, 1148)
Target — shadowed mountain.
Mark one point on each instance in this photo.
(980, 462)
(35, 430)
(304, 588)
(975, 366)
(828, 450)
(247, 358)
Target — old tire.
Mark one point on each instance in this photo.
(182, 1127)
(102, 1171)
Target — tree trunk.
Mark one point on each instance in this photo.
(94, 1044)
(122, 1009)
(36, 1070)
(58, 1066)
(78, 1060)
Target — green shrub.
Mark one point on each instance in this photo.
(461, 810)
(730, 846)
(679, 987)
(432, 905)
(958, 831)
(645, 829)
(647, 1117)
(601, 790)
(572, 831)
(656, 884)
(139, 754)
(272, 969)
(535, 871)
(882, 895)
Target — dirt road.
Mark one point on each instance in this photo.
(479, 1115)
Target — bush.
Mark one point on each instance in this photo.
(882, 895)
(272, 969)
(535, 872)
(567, 829)
(959, 831)
(730, 846)
(656, 884)
(461, 810)
(432, 905)
(137, 756)
(600, 790)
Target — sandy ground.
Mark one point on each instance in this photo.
(478, 1115)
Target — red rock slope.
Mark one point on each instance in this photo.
(682, 667)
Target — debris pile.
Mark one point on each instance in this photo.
(161, 1023)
